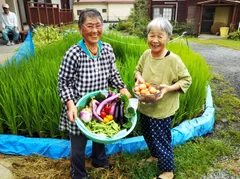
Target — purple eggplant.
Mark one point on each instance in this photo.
(116, 113)
(106, 101)
(122, 118)
(94, 108)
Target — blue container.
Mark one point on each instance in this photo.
(102, 138)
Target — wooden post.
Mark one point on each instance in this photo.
(29, 14)
(54, 22)
(200, 19)
(234, 15)
(59, 18)
(39, 18)
(46, 10)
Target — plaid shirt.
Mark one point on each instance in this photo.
(80, 74)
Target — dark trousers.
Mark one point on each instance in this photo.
(77, 155)
(157, 134)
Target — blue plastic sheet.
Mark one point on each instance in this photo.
(57, 148)
(25, 50)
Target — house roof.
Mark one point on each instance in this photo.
(218, 2)
(106, 1)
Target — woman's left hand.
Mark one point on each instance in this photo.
(165, 89)
(126, 92)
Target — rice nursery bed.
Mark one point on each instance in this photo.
(38, 109)
(33, 107)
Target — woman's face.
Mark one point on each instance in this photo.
(91, 30)
(157, 40)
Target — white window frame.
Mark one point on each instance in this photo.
(166, 12)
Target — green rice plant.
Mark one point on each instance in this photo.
(128, 50)
(8, 100)
(32, 107)
(192, 103)
(125, 46)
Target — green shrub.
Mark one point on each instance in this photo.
(180, 27)
(124, 26)
(234, 35)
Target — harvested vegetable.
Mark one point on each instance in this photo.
(86, 114)
(109, 115)
(94, 108)
(109, 129)
(106, 101)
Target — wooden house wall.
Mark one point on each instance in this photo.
(182, 11)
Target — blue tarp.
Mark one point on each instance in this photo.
(25, 50)
(57, 148)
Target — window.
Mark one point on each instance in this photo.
(104, 10)
(166, 12)
(46, 1)
(78, 12)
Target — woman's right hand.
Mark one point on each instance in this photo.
(72, 111)
(139, 80)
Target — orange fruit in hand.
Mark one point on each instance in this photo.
(147, 93)
(142, 86)
(153, 90)
(136, 89)
(143, 92)
(148, 85)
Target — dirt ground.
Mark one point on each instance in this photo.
(37, 167)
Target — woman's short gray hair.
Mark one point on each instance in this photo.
(162, 24)
(86, 13)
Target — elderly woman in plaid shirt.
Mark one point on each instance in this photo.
(87, 66)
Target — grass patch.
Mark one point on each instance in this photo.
(193, 159)
(221, 42)
(226, 101)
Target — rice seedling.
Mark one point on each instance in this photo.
(29, 101)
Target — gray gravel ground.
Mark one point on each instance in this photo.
(225, 61)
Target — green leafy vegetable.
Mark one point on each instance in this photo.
(125, 100)
(100, 97)
(127, 125)
(130, 113)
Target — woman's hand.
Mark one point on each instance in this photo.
(126, 92)
(72, 111)
(165, 89)
(139, 80)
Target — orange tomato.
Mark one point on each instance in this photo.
(142, 86)
(143, 91)
(153, 90)
(147, 93)
(148, 85)
(136, 88)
